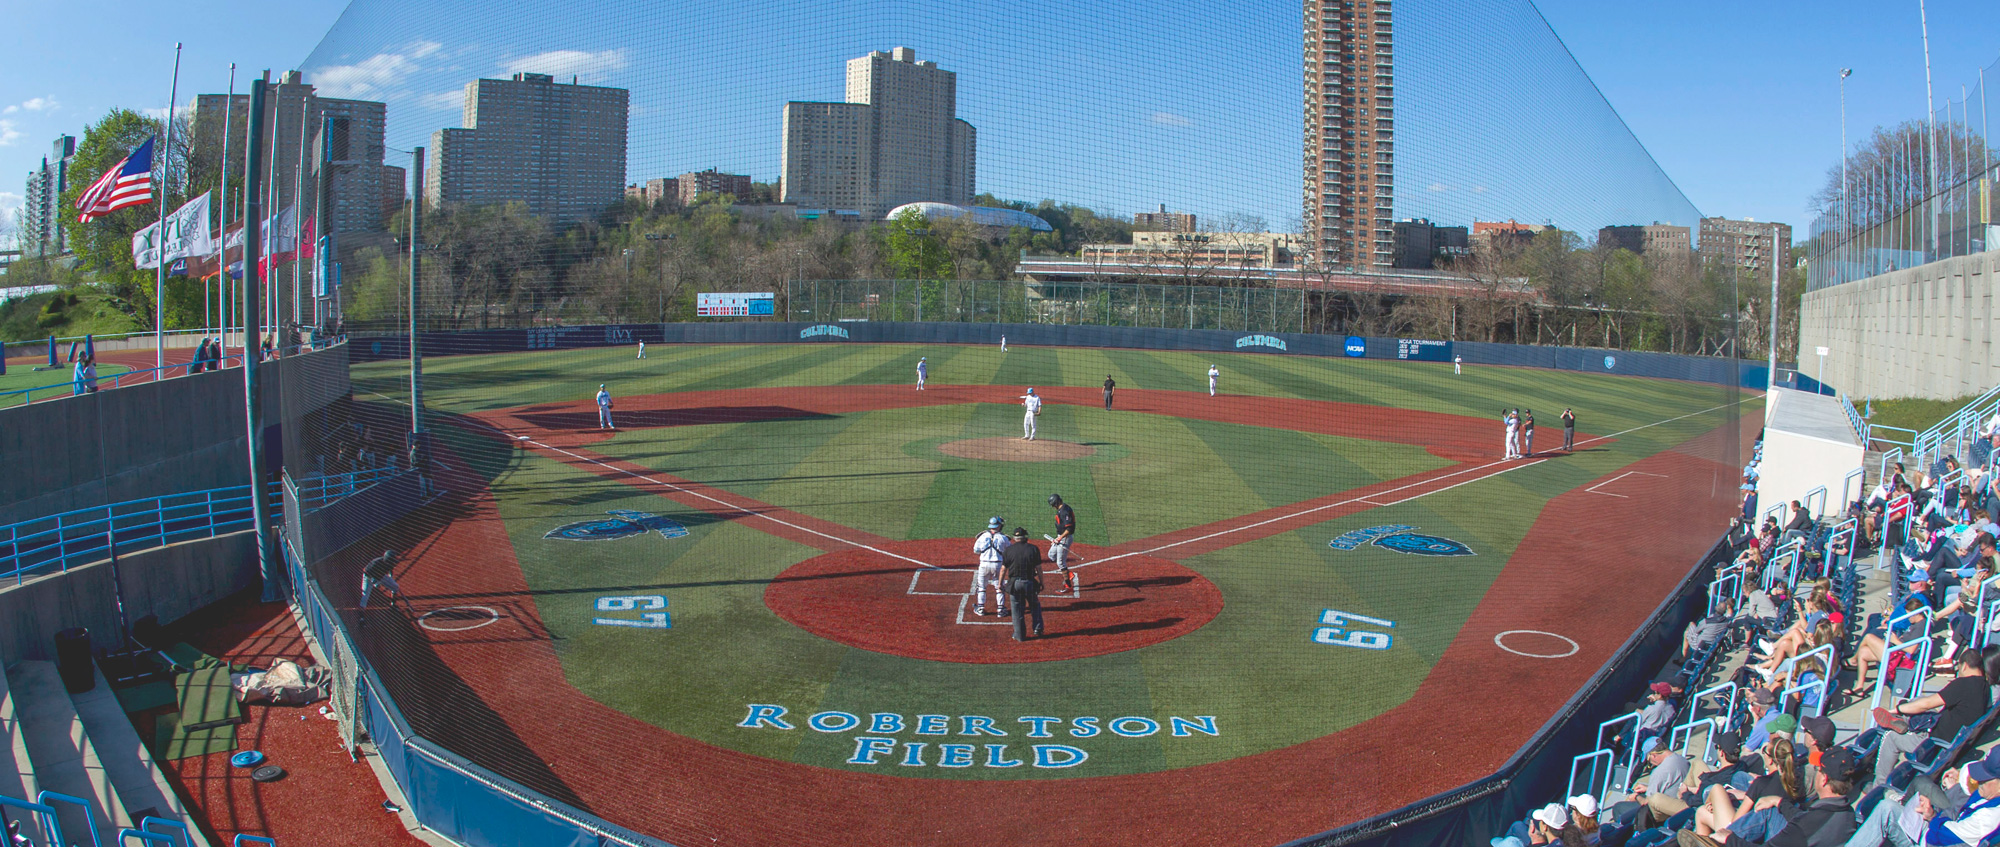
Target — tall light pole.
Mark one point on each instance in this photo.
(1771, 391)
(1846, 220)
(1930, 115)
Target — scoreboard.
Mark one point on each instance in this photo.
(734, 304)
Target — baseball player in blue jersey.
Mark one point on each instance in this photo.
(989, 546)
(604, 408)
(922, 372)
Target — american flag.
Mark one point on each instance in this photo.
(128, 183)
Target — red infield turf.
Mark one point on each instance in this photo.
(1592, 568)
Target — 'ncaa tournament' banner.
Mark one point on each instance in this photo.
(1423, 350)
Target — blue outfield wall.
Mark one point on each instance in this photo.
(1585, 359)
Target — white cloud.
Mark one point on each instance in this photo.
(1170, 119)
(442, 100)
(376, 77)
(10, 209)
(8, 134)
(586, 66)
(1437, 188)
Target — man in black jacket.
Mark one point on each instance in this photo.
(1022, 564)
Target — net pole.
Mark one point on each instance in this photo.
(253, 409)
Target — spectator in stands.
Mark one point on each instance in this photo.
(1873, 646)
(1658, 716)
(1958, 614)
(1819, 737)
(1700, 634)
(1583, 818)
(1802, 636)
(1801, 524)
(1756, 812)
(1974, 791)
(1749, 501)
(1960, 703)
(1762, 715)
(1824, 820)
(1669, 770)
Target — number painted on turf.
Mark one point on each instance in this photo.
(1334, 630)
(639, 603)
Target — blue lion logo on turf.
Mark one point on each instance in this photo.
(623, 523)
(1422, 545)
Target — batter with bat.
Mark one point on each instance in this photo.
(1059, 543)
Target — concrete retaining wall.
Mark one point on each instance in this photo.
(171, 582)
(167, 437)
(1923, 332)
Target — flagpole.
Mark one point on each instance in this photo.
(222, 241)
(160, 277)
(298, 204)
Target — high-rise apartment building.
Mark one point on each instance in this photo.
(897, 139)
(1164, 221)
(559, 149)
(294, 120)
(1350, 153)
(690, 186)
(1745, 244)
(41, 224)
(1655, 239)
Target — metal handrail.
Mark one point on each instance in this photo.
(1922, 648)
(82, 536)
(1599, 780)
(46, 796)
(1682, 737)
(1632, 755)
(315, 492)
(51, 827)
(1854, 419)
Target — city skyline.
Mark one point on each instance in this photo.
(1780, 117)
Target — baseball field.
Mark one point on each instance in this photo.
(742, 616)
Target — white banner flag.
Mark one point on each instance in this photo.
(186, 235)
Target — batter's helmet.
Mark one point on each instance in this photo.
(1055, 499)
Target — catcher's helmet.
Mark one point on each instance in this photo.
(1055, 499)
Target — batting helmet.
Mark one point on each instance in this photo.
(1055, 499)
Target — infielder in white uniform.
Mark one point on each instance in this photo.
(1513, 432)
(1034, 406)
(922, 372)
(1212, 374)
(603, 408)
(989, 545)
(642, 349)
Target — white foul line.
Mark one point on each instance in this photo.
(1593, 489)
(1366, 499)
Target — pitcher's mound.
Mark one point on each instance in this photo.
(1015, 449)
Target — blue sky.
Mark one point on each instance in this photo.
(1737, 102)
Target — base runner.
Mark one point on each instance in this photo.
(1059, 543)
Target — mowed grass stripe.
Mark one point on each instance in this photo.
(1167, 456)
(867, 480)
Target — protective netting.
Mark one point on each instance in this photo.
(667, 568)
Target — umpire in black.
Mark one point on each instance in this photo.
(1022, 564)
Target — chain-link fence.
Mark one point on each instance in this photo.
(1016, 301)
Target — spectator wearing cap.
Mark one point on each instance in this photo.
(1547, 823)
(1819, 733)
(1658, 716)
(1669, 769)
(1921, 816)
(1960, 703)
(1761, 716)
(1583, 817)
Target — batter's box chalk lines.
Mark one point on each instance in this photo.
(1593, 489)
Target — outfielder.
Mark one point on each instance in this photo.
(604, 408)
(1033, 405)
(922, 372)
(990, 546)
(642, 350)
(1059, 545)
(1212, 374)
(1457, 365)
(1003, 344)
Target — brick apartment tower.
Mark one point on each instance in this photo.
(1350, 137)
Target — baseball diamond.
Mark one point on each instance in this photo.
(1279, 587)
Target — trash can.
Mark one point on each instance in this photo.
(73, 660)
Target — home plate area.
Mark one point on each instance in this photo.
(864, 599)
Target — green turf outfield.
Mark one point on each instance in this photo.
(1253, 668)
(49, 383)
